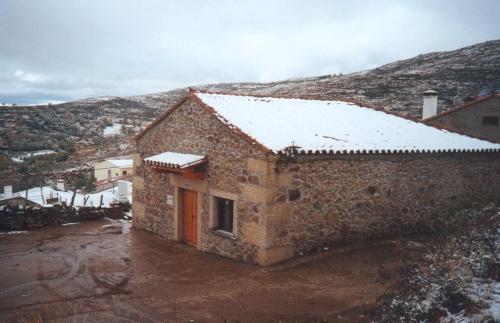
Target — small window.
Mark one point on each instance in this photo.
(490, 121)
(224, 214)
(124, 172)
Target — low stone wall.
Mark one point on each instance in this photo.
(17, 200)
(330, 198)
(15, 218)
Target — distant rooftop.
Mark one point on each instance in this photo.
(122, 163)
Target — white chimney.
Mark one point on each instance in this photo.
(122, 188)
(430, 104)
(60, 185)
(7, 191)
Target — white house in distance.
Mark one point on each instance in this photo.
(111, 169)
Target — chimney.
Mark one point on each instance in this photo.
(122, 188)
(430, 104)
(7, 191)
(60, 185)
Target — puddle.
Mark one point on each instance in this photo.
(124, 226)
(13, 232)
(70, 223)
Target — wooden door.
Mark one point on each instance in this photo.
(190, 217)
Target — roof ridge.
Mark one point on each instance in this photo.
(274, 96)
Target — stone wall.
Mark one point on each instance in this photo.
(18, 200)
(469, 120)
(192, 129)
(17, 218)
(331, 198)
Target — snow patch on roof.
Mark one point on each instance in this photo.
(175, 159)
(278, 123)
(122, 163)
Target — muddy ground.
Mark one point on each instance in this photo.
(106, 272)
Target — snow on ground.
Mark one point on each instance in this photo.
(457, 279)
(39, 195)
(29, 154)
(125, 146)
(113, 130)
(330, 125)
(47, 102)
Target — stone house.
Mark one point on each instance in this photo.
(479, 117)
(262, 179)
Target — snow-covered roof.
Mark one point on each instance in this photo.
(176, 160)
(122, 163)
(317, 125)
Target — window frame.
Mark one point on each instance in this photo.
(214, 225)
(220, 219)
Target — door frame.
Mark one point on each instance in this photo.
(182, 217)
(200, 187)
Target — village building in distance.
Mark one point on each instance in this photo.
(479, 117)
(111, 169)
(263, 179)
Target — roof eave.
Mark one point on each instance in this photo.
(389, 151)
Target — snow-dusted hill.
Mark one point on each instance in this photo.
(396, 87)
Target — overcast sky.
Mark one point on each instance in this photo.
(59, 50)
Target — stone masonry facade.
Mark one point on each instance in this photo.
(287, 205)
(195, 131)
(333, 198)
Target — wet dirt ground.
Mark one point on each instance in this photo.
(106, 272)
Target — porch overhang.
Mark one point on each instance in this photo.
(187, 165)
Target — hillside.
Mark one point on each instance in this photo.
(396, 86)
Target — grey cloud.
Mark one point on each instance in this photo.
(70, 49)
